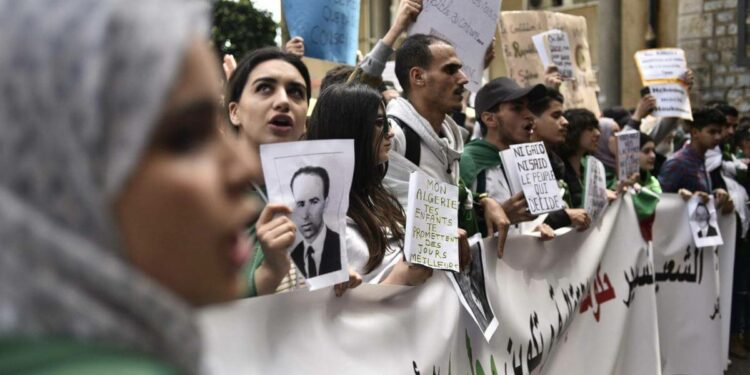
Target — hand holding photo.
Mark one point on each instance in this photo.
(313, 178)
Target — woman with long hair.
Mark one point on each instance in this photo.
(267, 97)
(582, 140)
(375, 223)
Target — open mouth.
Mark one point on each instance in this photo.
(529, 127)
(282, 121)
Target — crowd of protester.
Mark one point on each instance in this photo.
(132, 189)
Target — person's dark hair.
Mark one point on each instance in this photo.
(727, 109)
(619, 114)
(239, 78)
(645, 138)
(338, 74)
(741, 135)
(579, 121)
(539, 106)
(314, 171)
(414, 52)
(350, 111)
(703, 117)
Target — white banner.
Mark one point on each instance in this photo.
(693, 320)
(584, 303)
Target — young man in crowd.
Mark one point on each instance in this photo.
(551, 127)
(426, 137)
(503, 114)
(685, 172)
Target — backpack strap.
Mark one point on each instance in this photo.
(413, 151)
(482, 182)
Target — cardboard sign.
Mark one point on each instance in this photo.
(594, 189)
(529, 170)
(330, 28)
(661, 65)
(468, 25)
(554, 49)
(672, 100)
(432, 223)
(628, 153)
(524, 65)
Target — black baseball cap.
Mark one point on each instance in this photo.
(504, 89)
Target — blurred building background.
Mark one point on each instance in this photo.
(713, 34)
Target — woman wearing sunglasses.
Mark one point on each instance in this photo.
(375, 219)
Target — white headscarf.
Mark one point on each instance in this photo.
(81, 85)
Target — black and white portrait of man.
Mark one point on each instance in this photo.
(319, 251)
(703, 217)
(703, 223)
(313, 179)
(470, 285)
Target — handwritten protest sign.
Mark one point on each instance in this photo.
(525, 66)
(528, 167)
(432, 223)
(594, 188)
(628, 151)
(468, 25)
(672, 100)
(554, 49)
(330, 28)
(660, 65)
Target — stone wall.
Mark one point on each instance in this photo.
(707, 31)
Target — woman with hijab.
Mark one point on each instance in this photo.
(375, 219)
(122, 205)
(606, 149)
(648, 190)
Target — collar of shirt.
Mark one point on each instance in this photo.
(317, 245)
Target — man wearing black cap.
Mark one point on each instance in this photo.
(502, 110)
(425, 136)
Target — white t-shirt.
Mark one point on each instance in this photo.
(358, 254)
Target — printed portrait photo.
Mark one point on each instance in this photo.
(703, 223)
(313, 178)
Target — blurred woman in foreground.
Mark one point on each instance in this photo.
(122, 205)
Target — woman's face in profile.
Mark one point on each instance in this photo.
(183, 212)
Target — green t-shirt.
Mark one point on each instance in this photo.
(59, 356)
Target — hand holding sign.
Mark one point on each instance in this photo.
(530, 172)
(554, 50)
(628, 154)
(329, 28)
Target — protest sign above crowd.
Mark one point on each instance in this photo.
(420, 209)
